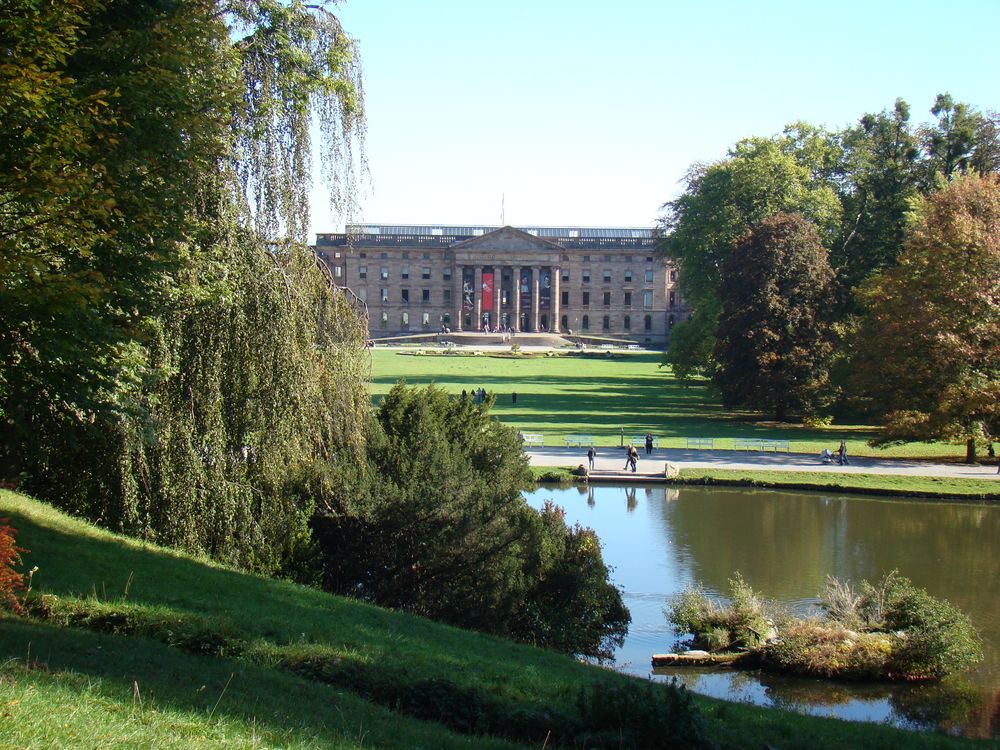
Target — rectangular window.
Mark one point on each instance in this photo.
(362, 255)
(383, 256)
(362, 272)
(384, 320)
(628, 277)
(586, 259)
(628, 299)
(425, 320)
(406, 296)
(404, 272)
(447, 296)
(647, 299)
(338, 271)
(564, 298)
(673, 298)
(425, 272)
(586, 298)
(649, 276)
(447, 273)
(628, 258)
(607, 299)
(384, 294)
(673, 275)
(383, 273)
(586, 277)
(607, 258)
(565, 276)
(406, 319)
(607, 275)
(425, 295)
(427, 256)
(363, 294)
(406, 255)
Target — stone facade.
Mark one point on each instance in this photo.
(590, 282)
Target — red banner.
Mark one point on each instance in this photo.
(487, 291)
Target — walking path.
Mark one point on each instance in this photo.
(614, 459)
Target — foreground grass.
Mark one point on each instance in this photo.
(191, 654)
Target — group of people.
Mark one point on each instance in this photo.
(631, 455)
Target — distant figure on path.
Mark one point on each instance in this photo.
(628, 457)
(633, 457)
(649, 443)
(513, 397)
(590, 457)
(842, 453)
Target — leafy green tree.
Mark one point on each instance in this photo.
(434, 523)
(962, 140)
(927, 356)
(882, 176)
(774, 336)
(721, 202)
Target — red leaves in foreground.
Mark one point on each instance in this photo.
(11, 582)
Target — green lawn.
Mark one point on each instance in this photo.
(137, 646)
(598, 395)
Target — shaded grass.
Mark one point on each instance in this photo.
(599, 395)
(259, 631)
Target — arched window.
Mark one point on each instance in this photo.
(627, 323)
(406, 319)
(564, 323)
(606, 323)
(585, 322)
(647, 322)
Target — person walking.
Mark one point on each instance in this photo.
(649, 443)
(628, 457)
(633, 457)
(842, 453)
(590, 457)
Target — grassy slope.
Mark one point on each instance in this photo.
(597, 395)
(68, 687)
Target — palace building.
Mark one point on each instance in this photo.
(600, 282)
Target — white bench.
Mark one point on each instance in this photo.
(748, 444)
(775, 445)
(633, 347)
(701, 443)
(641, 440)
(533, 438)
(606, 346)
(580, 440)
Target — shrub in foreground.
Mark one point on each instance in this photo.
(11, 582)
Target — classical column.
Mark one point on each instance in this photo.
(556, 309)
(536, 296)
(478, 276)
(457, 296)
(497, 293)
(516, 325)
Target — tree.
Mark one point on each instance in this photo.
(433, 522)
(774, 337)
(882, 169)
(928, 352)
(761, 177)
(962, 140)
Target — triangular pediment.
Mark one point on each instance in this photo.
(507, 240)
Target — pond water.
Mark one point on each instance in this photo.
(660, 540)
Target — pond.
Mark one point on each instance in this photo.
(660, 540)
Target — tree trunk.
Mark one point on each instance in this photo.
(970, 451)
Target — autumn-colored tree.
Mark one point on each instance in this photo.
(774, 338)
(11, 582)
(927, 352)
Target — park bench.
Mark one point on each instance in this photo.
(633, 347)
(605, 346)
(748, 444)
(641, 440)
(533, 438)
(775, 445)
(580, 440)
(701, 442)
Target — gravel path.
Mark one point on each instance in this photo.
(614, 458)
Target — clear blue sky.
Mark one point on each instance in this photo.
(586, 113)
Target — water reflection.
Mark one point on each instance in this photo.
(660, 540)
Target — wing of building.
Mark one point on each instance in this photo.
(587, 281)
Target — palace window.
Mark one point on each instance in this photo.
(564, 298)
(425, 319)
(384, 294)
(383, 273)
(425, 295)
(425, 272)
(406, 319)
(628, 276)
(384, 320)
(404, 273)
(628, 299)
(565, 276)
(606, 323)
(627, 323)
(447, 297)
(406, 296)
(647, 322)
(647, 299)
(673, 275)
(670, 322)
(362, 272)
(649, 276)
(363, 294)
(607, 299)
(607, 275)
(586, 298)
(585, 322)
(586, 277)
(673, 298)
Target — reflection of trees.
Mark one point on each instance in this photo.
(947, 705)
(785, 544)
